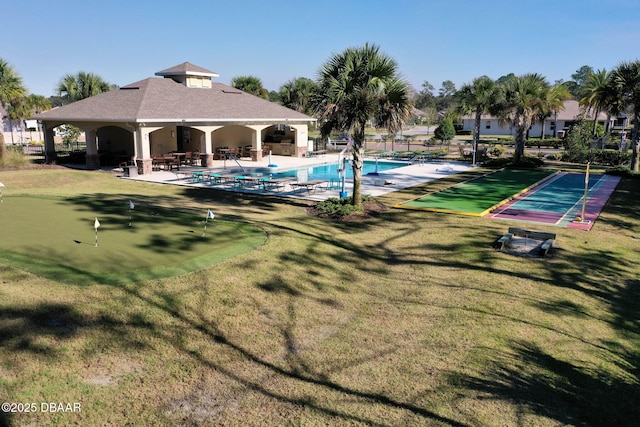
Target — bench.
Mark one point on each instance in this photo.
(547, 239)
(531, 234)
(545, 247)
(503, 241)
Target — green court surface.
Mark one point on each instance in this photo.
(56, 239)
(479, 196)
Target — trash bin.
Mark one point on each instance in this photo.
(131, 171)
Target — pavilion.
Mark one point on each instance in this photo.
(182, 110)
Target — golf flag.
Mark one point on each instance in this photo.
(209, 216)
(131, 208)
(96, 224)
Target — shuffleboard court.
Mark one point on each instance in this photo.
(560, 200)
(479, 196)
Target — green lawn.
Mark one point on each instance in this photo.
(56, 238)
(408, 318)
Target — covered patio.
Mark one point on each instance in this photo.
(183, 114)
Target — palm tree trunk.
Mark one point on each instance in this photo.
(522, 126)
(357, 164)
(595, 123)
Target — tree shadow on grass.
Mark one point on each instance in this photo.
(558, 388)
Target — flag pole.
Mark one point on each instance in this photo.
(586, 190)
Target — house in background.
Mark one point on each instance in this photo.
(556, 125)
(182, 110)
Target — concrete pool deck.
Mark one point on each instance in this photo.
(372, 185)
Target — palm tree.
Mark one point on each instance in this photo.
(10, 83)
(356, 86)
(627, 79)
(297, 94)
(598, 94)
(476, 98)
(18, 109)
(524, 98)
(82, 85)
(11, 89)
(38, 104)
(553, 103)
(250, 84)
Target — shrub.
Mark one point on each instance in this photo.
(623, 171)
(600, 157)
(14, 156)
(527, 162)
(497, 150)
(339, 208)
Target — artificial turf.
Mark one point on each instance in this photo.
(56, 238)
(476, 197)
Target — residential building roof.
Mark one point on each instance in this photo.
(571, 110)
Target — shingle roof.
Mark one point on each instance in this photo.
(162, 99)
(186, 68)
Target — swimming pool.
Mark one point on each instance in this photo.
(330, 170)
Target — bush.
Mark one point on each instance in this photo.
(339, 208)
(497, 150)
(548, 142)
(14, 156)
(527, 162)
(600, 157)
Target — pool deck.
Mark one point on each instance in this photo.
(372, 185)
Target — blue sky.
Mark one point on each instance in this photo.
(278, 40)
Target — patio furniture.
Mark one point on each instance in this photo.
(197, 176)
(275, 184)
(311, 186)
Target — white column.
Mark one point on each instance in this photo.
(93, 158)
(301, 138)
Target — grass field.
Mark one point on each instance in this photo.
(409, 318)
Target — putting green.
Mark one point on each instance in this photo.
(56, 239)
(481, 195)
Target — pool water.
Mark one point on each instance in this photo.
(327, 171)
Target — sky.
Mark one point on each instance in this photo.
(279, 40)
